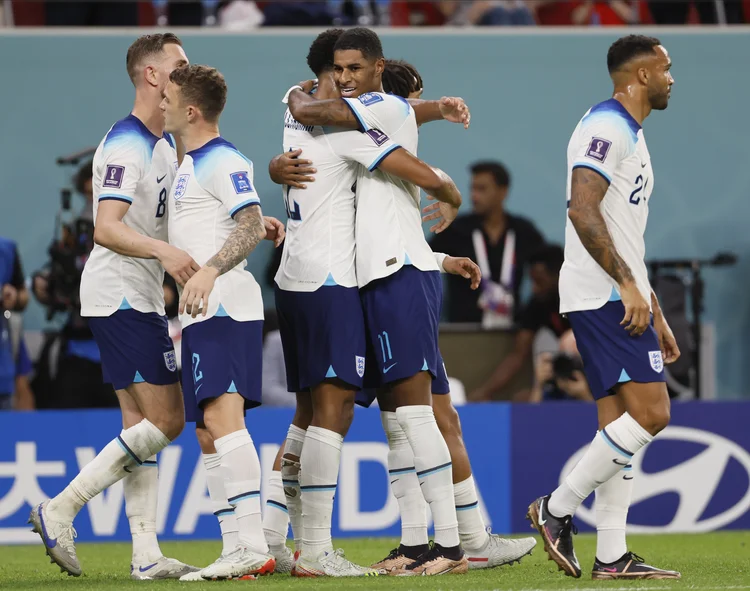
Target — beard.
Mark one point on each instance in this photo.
(659, 101)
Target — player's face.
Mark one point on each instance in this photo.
(173, 58)
(660, 79)
(175, 117)
(543, 283)
(356, 75)
(486, 195)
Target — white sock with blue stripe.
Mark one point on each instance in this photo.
(432, 461)
(141, 489)
(612, 504)
(319, 471)
(131, 448)
(404, 483)
(240, 460)
(471, 528)
(276, 515)
(612, 448)
(224, 512)
(295, 439)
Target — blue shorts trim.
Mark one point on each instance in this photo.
(323, 336)
(135, 347)
(610, 355)
(221, 355)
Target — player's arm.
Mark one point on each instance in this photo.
(112, 233)
(588, 188)
(462, 266)
(452, 109)
(670, 352)
(248, 232)
(310, 111)
(288, 169)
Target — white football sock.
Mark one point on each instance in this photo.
(432, 461)
(471, 528)
(404, 483)
(240, 460)
(612, 448)
(319, 471)
(276, 515)
(295, 439)
(216, 477)
(612, 504)
(130, 448)
(141, 489)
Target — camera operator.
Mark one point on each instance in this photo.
(69, 373)
(13, 361)
(559, 376)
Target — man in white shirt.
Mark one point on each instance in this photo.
(215, 215)
(619, 328)
(122, 295)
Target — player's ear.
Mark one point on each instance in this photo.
(149, 74)
(643, 75)
(380, 66)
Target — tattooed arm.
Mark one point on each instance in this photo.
(250, 230)
(587, 191)
(310, 111)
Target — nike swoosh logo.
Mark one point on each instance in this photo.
(627, 478)
(48, 541)
(541, 512)
(620, 463)
(128, 470)
(610, 570)
(394, 481)
(198, 388)
(643, 165)
(143, 569)
(158, 180)
(390, 367)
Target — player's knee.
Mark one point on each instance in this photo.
(448, 421)
(654, 419)
(171, 425)
(303, 416)
(205, 440)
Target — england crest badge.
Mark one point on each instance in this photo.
(657, 363)
(170, 360)
(360, 365)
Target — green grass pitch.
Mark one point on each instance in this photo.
(707, 561)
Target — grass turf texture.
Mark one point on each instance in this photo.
(707, 561)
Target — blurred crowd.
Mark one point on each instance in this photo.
(247, 14)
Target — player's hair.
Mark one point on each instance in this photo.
(496, 169)
(83, 174)
(146, 46)
(551, 256)
(401, 78)
(627, 48)
(320, 56)
(362, 39)
(203, 87)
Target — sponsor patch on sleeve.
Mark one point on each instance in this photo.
(113, 177)
(598, 149)
(370, 98)
(241, 182)
(377, 136)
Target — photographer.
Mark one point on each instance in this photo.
(559, 376)
(69, 373)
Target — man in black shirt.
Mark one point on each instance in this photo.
(500, 243)
(541, 311)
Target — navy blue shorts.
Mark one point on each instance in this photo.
(323, 336)
(135, 347)
(402, 315)
(221, 355)
(610, 355)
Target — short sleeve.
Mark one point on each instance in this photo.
(375, 110)
(122, 168)
(232, 183)
(604, 141)
(368, 149)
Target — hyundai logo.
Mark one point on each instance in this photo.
(695, 481)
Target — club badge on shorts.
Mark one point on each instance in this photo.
(657, 363)
(360, 365)
(170, 360)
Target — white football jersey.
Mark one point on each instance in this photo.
(213, 183)
(319, 248)
(609, 141)
(389, 219)
(132, 165)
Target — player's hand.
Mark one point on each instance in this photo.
(10, 297)
(454, 109)
(289, 169)
(197, 290)
(637, 311)
(670, 352)
(465, 267)
(274, 230)
(444, 212)
(308, 85)
(179, 264)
